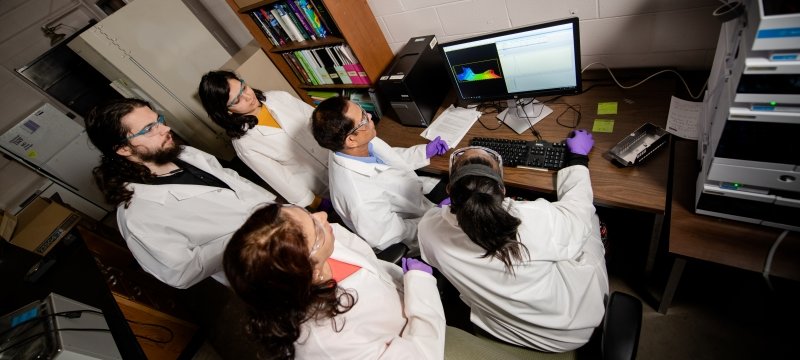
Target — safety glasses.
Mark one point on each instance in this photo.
(458, 153)
(147, 130)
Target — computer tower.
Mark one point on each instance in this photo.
(416, 82)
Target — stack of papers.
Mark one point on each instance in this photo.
(452, 125)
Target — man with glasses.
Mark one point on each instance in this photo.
(373, 186)
(177, 207)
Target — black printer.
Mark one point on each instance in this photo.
(416, 82)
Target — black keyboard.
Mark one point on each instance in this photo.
(538, 154)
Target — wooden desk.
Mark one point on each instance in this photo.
(641, 188)
(727, 242)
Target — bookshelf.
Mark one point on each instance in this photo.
(351, 24)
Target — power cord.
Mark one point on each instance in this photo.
(168, 330)
(770, 255)
(695, 97)
(491, 107)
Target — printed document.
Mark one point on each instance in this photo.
(452, 125)
(683, 118)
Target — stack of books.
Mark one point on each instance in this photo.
(288, 21)
(326, 66)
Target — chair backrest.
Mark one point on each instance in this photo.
(393, 253)
(621, 327)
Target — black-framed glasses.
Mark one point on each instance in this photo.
(364, 121)
(493, 154)
(241, 90)
(149, 127)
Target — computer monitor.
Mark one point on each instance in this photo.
(536, 60)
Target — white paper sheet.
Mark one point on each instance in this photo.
(452, 125)
(683, 118)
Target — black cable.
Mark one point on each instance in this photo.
(171, 334)
(535, 132)
(34, 336)
(577, 111)
(484, 109)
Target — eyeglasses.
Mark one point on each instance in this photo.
(364, 121)
(319, 230)
(147, 130)
(241, 90)
(493, 154)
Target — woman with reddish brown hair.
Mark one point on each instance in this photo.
(317, 291)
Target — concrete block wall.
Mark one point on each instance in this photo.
(618, 33)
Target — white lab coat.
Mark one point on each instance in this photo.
(396, 316)
(557, 298)
(288, 159)
(177, 233)
(382, 203)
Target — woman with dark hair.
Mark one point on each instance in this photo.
(271, 133)
(532, 272)
(317, 291)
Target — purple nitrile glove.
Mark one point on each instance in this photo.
(436, 147)
(444, 202)
(580, 142)
(414, 264)
(325, 205)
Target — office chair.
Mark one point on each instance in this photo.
(393, 254)
(619, 338)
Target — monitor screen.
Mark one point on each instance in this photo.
(542, 59)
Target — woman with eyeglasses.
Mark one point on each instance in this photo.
(532, 272)
(317, 291)
(271, 133)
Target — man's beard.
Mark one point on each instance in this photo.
(165, 155)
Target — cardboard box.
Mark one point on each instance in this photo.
(39, 226)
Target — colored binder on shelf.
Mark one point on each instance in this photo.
(338, 66)
(354, 69)
(327, 64)
(297, 68)
(307, 67)
(322, 74)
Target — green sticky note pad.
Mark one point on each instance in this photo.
(607, 108)
(603, 125)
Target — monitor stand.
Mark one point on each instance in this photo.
(521, 118)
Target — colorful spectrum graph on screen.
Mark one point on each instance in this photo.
(469, 75)
(484, 70)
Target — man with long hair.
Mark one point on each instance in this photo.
(177, 207)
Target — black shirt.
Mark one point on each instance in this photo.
(188, 174)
